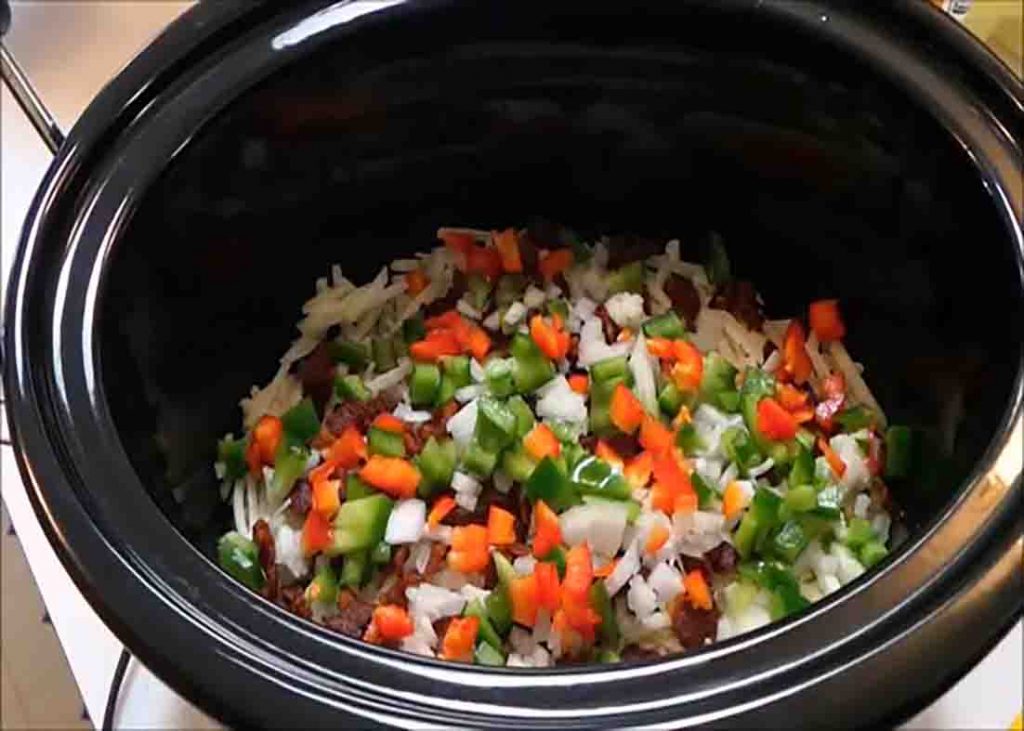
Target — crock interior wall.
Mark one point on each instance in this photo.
(824, 181)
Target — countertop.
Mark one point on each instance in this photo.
(100, 37)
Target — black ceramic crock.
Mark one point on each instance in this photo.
(868, 152)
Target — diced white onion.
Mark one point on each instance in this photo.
(600, 523)
(406, 522)
(462, 425)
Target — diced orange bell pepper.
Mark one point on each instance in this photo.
(661, 348)
(774, 422)
(460, 244)
(548, 591)
(321, 472)
(686, 502)
(553, 263)
(580, 383)
(348, 449)
(795, 361)
(477, 342)
(697, 590)
(460, 639)
(580, 616)
(579, 572)
(397, 477)
(316, 533)
(441, 507)
(833, 459)
(415, 282)
(672, 487)
(392, 622)
(682, 417)
(267, 434)
(253, 459)
(469, 552)
(733, 500)
(325, 497)
(606, 452)
(436, 344)
(791, 398)
(501, 526)
(625, 410)
(389, 422)
(551, 341)
(541, 442)
(547, 532)
(524, 595)
(624, 336)
(657, 537)
(508, 249)
(826, 321)
(604, 571)
(655, 437)
(689, 366)
(484, 261)
(447, 320)
(638, 470)
(663, 498)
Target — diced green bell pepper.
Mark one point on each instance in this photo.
(289, 465)
(789, 541)
(354, 355)
(498, 376)
(488, 655)
(786, 597)
(495, 424)
(667, 325)
(487, 633)
(457, 368)
(383, 354)
(757, 385)
(384, 442)
(355, 488)
(573, 453)
(802, 472)
(424, 384)
(858, 533)
(718, 378)
(530, 367)
(351, 388)
(729, 401)
(600, 406)
(671, 399)
(632, 506)
(499, 609)
(523, 414)
(805, 439)
(231, 452)
(559, 307)
(898, 448)
(609, 368)
(688, 440)
(704, 491)
(717, 267)
(510, 288)
(436, 463)
(359, 524)
(758, 522)
(324, 586)
(300, 423)
(479, 290)
(801, 498)
(240, 558)
(855, 418)
(517, 464)
(593, 476)
(381, 554)
(872, 552)
(478, 460)
(355, 568)
(740, 448)
(549, 484)
(829, 502)
(414, 328)
(503, 569)
(627, 278)
(602, 604)
(608, 657)
(557, 556)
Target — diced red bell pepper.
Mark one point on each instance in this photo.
(774, 422)
(554, 263)
(552, 341)
(580, 383)
(392, 622)
(795, 361)
(548, 591)
(579, 572)
(267, 434)
(348, 449)
(625, 410)
(460, 639)
(316, 533)
(689, 366)
(655, 437)
(826, 321)
(483, 261)
(508, 249)
(547, 532)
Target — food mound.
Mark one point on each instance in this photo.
(521, 450)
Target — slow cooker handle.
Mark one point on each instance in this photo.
(23, 92)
